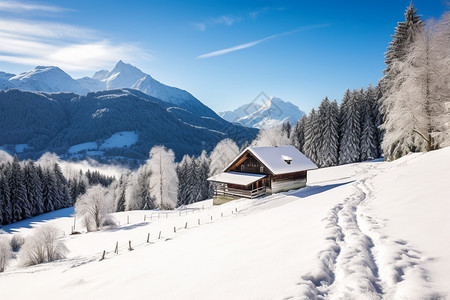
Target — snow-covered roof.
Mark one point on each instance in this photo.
(276, 159)
(236, 178)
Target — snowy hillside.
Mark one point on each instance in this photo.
(362, 231)
(76, 126)
(264, 114)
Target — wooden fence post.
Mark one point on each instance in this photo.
(185, 226)
(198, 221)
(159, 236)
(128, 219)
(103, 256)
(116, 251)
(148, 238)
(129, 246)
(174, 229)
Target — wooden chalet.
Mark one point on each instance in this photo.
(258, 171)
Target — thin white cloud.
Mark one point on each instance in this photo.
(69, 47)
(227, 20)
(254, 43)
(16, 6)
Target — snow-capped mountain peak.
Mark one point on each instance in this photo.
(264, 114)
(123, 75)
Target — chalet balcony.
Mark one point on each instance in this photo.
(225, 191)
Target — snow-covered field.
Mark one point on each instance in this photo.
(363, 231)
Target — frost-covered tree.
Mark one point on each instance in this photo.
(202, 164)
(369, 147)
(298, 133)
(223, 154)
(5, 252)
(350, 129)
(45, 245)
(164, 180)
(5, 200)
(121, 194)
(271, 136)
(286, 128)
(33, 186)
(183, 174)
(328, 116)
(397, 49)
(312, 143)
(21, 208)
(94, 206)
(415, 107)
(49, 192)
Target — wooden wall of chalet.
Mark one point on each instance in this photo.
(290, 176)
(247, 163)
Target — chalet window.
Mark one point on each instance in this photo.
(261, 169)
(242, 167)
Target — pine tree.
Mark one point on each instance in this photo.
(312, 137)
(286, 128)
(122, 194)
(182, 174)
(33, 186)
(5, 198)
(21, 207)
(329, 133)
(350, 128)
(369, 132)
(298, 133)
(204, 165)
(49, 191)
(397, 49)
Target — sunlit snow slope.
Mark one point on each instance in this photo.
(363, 231)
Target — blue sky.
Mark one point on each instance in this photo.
(225, 53)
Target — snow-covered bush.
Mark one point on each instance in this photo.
(271, 136)
(94, 207)
(225, 151)
(5, 251)
(16, 242)
(44, 245)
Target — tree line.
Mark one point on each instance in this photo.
(29, 189)
(334, 135)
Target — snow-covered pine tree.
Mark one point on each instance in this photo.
(311, 145)
(368, 129)
(350, 128)
(415, 107)
(33, 186)
(164, 181)
(397, 49)
(5, 198)
(286, 128)
(184, 190)
(49, 192)
(21, 207)
(298, 133)
(145, 198)
(122, 187)
(329, 133)
(202, 164)
(378, 118)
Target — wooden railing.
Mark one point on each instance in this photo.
(237, 193)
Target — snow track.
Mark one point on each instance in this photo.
(360, 262)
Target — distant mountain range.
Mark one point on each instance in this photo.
(266, 113)
(123, 75)
(51, 111)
